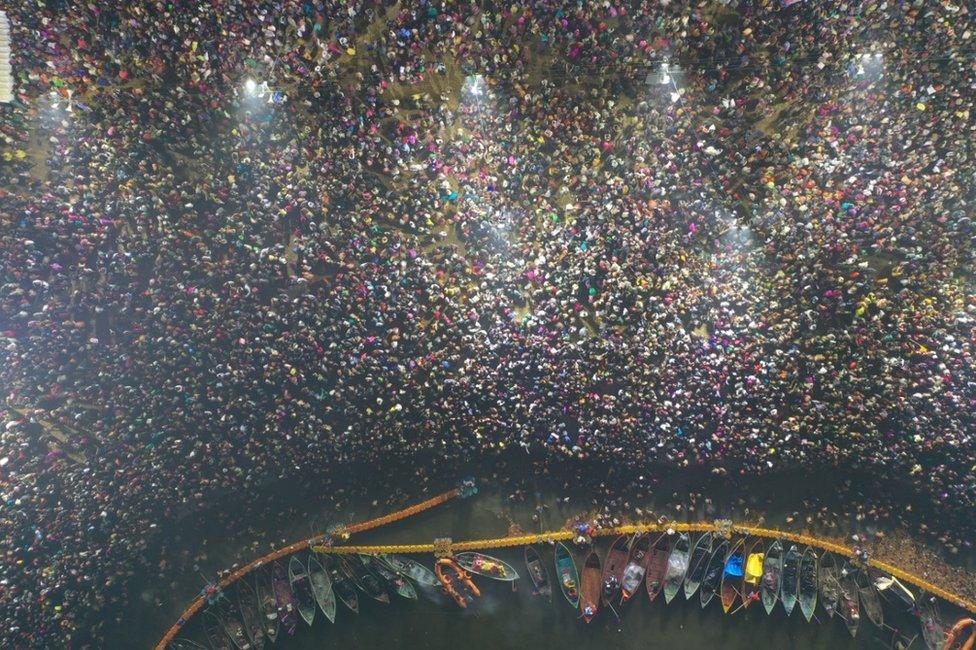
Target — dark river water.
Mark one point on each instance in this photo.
(502, 618)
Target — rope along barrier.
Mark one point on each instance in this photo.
(563, 535)
(200, 601)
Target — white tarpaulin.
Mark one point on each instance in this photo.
(6, 66)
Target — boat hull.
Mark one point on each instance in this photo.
(322, 588)
(677, 567)
(567, 575)
(591, 586)
(486, 566)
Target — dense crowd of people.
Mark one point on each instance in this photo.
(243, 238)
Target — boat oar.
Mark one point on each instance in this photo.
(610, 605)
(741, 605)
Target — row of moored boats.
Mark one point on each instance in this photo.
(274, 599)
(736, 572)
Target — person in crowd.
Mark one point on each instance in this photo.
(244, 239)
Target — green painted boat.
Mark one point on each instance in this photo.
(772, 577)
(342, 585)
(809, 570)
(849, 607)
(791, 579)
(301, 587)
(412, 569)
(677, 567)
(567, 575)
(713, 573)
(697, 565)
(829, 579)
(250, 610)
(870, 600)
(185, 644)
(365, 580)
(322, 588)
(400, 585)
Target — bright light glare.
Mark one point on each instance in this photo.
(475, 85)
(250, 85)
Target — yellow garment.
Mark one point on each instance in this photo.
(754, 567)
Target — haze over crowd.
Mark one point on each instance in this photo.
(246, 240)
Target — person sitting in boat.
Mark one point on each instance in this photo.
(589, 612)
(611, 586)
(487, 566)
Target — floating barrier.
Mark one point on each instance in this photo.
(326, 544)
(320, 542)
(714, 527)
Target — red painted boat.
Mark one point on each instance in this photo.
(657, 566)
(613, 569)
(591, 586)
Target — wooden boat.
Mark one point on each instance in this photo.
(322, 588)
(234, 629)
(213, 629)
(697, 564)
(657, 566)
(791, 579)
(772, 578)
(829, 583)
(613, 568)
(566, 574)
(591, 586)
(343, 586)
(674, 576)
(870, 601)
(486, 566)
(247, 605)
(752, 576)
(633, 575)
(848, 606)
(537, 572)
(713, 574)
(185, 644)
(890, 585)
(287, 606)
(933, 629)
(809, 582)
(365, 580)
(413, 570)
(267, 605)
(301, 586)
(730, 588)
(456, 582)
(400, 585)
